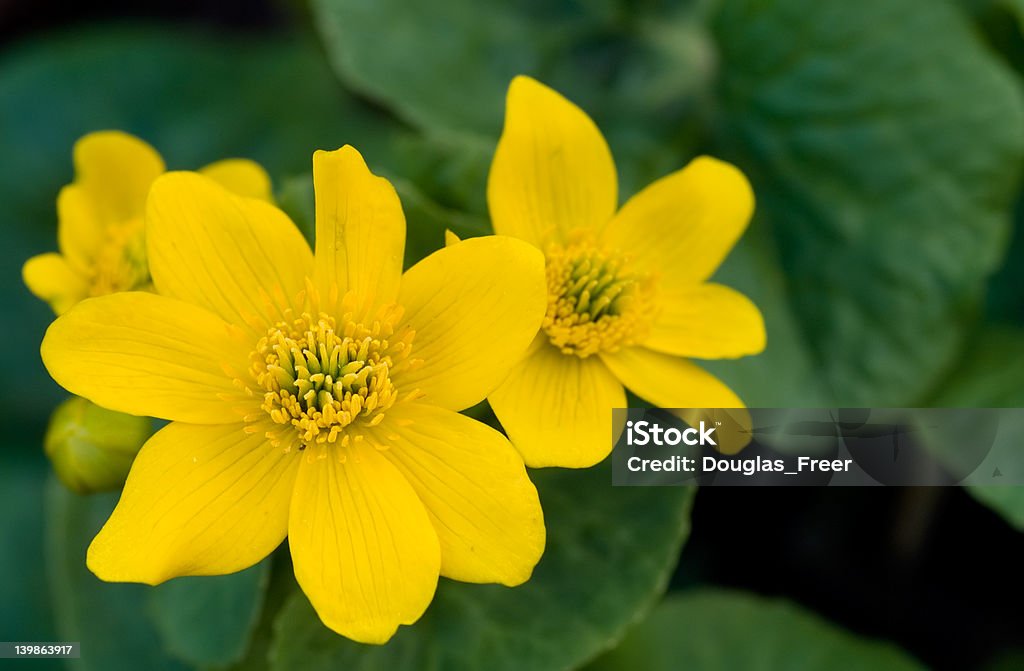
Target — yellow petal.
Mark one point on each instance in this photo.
(475, 307)
(241, 177)
(240, 258)
(113, 173)
(709, 321)
(80, 231)
(146, 354)
(552, 171)
(199, 500)
(669, 382)
(682, 226)
(360, 229)
(450, 238)
(472, 481)
(557, 408)
(364, 550)
(116, 169)
(50, 278)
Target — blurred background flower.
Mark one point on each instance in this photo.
(883, 140)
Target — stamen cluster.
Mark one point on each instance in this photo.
(321, 378)
(595, 303)
(121, 264)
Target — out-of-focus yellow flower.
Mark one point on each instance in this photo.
(100, 230)
(314, 397)
(92, 448)
(628, 296)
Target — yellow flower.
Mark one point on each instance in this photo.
(100, 230)
(627, 290)
(313, 396)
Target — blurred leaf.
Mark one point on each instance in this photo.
(1006, 289)
(884, 142)
(785, 374)
(471, 59)
(427, 221)
(195, 98)
(445, 67)
(26, 613)
(1017, 7)
(281, 584)
(721, 630)
(295, 197)
(109, 619)
(1002, 24)
(209, 621)
(610, 552)
(991, 375)
(449, 167)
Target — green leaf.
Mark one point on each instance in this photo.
(721, 630)
(1002, 22)
(991, 375)
(884, 142)
(448, 63)
(1017, 8)
(472, 59)
(427, 222)
(451, 168)
(281, 584)
(196, 98)
(785, 374)
(1005, 293)
(295, 197)
(446, 66)
(209, 621)
(609, 555)
(110, 620)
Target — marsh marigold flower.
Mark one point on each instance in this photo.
(313, 396)
(628, 298)
(100, 230)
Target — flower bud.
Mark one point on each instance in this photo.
(92, 448)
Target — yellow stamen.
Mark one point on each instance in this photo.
(121, 264)
(595, 301)
(322, 376)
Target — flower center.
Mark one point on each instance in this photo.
(595, 303)
(321, 377)
(121, 264)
